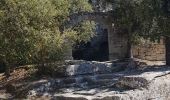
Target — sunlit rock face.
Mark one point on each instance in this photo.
(81, 67)
(86, 80)
(88, 68)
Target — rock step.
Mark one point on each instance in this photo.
(91, 84)
(101, 82)
(158, 84)
(82, 82)
(94, 80)
(106, 76)
(80, 67)
(147, 84)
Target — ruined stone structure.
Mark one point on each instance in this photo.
(150, 51)
(117, 42)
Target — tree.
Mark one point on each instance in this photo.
(150, 19)
(29, 30)
(154, 16)
(166, 10)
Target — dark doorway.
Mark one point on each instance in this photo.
(95, 50)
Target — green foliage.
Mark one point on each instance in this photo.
(142, 18)
(80, 5)
(85, 31)
(24, 25)
(148, 13)
(29, 29)
(154, 22)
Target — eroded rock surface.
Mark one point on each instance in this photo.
(81, 67)
(102, 84)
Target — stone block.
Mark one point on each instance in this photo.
(86, 67)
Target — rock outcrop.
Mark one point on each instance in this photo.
(147, 84)
(81, 67)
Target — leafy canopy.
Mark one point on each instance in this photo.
(29, 29)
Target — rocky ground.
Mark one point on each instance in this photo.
(84, 80)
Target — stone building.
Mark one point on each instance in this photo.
(108, 44)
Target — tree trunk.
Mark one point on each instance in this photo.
(167, 45)
(131, 65)
(129, 50)
(129, 47)
(7, 69)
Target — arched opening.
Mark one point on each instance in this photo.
(95, 50)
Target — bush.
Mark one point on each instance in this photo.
(56, 69)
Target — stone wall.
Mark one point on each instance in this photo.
(68, 53)
(150, 51)
(117, 44)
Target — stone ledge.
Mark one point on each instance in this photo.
(158, 89)
(141, 80)
(81, 67)
(148, 84)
